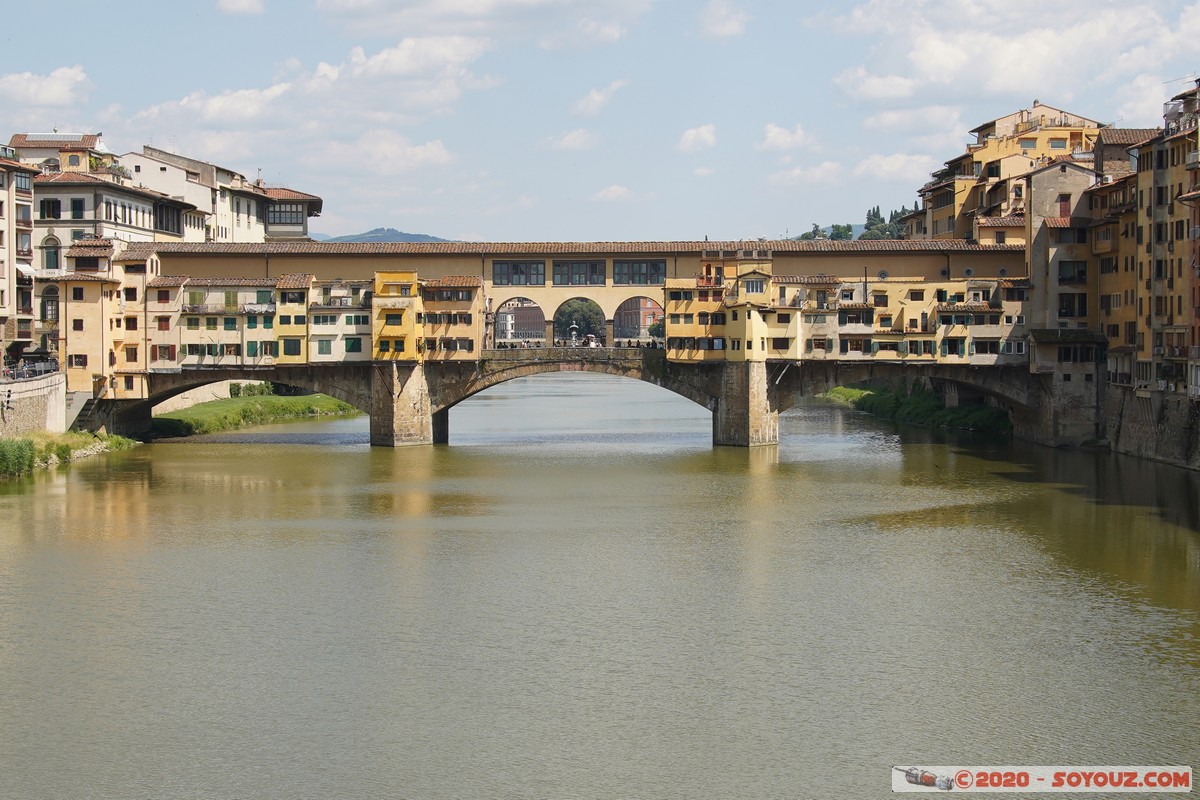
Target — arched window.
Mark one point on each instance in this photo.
(50, 253)
(50, 304)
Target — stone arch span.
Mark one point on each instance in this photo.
(450, 384)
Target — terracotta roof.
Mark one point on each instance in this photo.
(17, 165)
(91, 248)
(820, 280)
(264, 283)
(88, 140)
(453, 282)
(485, 249)
(1066, 222)
(855, 306)
(1011, 221)
(294, 280)
(167, 281)
(1015, 283)
(87, 277)
(1189, 196)
(280, 193)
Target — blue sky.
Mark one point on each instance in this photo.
(552, 120)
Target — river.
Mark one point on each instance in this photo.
(580, 597)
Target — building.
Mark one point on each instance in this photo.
(16, 256)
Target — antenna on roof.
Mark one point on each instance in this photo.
(1190, 77)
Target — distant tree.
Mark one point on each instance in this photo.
(841, 232)
(657, 329)
(815, 233)
(582, 312)
(874, 233)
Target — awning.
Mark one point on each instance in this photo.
(25, 269)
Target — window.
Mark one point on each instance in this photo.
(78, 360)
(324, 347)
(50, 209)
(358, 319)
(1000, 236)
(754, 285)
(50, 253)
(268, 321)
(639, 273)
(393, 319)
(131, 293)
(76, 324)
(264, 296)
(76, 208)
(578, 273)
(353, 344)
(252, 349)
(270, 348)
(210, 323)
(384, 345)
(784, 319)
(193, 323)
(291, 347)
(131, 323)
(880, 301)
(285, 319)
(76, 292)
(231, 323)
(164, 323)
(519, 273)
(285, 214)
(131, 354)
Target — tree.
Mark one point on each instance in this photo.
(657, 329)
(582, 312)
(841, 232)
(815, 233)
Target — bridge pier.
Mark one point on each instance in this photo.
(401, 411)
(745, 415)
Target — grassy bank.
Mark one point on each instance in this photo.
(239, 412)
(23, 455)
(922, 408)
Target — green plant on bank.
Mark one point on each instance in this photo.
(22, 456)
(923, 408)
(251, 389)
(239, 412)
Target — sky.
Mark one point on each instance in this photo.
(586, 120)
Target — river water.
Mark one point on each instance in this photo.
(580, 597)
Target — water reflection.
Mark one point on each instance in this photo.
(580, 596)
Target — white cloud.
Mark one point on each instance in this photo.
(721, 19)
(865, 86)
(445, 55)
(595, 101)
(910, 120)
(62, 87)
(1141, 102)
(578, 139)
(777, 138)
(825, 172)
(613, 193)
(698, 138)
(909, 168)
(390, 152)
(703, 172)
(241, 6)
(587, 32)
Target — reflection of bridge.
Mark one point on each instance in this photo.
(409, 403)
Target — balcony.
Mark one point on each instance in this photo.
(25, 252)
(24, 223)
(1176, 352)
(1193, 159)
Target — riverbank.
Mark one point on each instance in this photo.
(921, 408)
(240, 412)
(21, 456)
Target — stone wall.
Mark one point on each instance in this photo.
(1154, 425)
(33, 405)
(209, 392)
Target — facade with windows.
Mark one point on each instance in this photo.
(17, 326)
(340, 321)
(396, 306)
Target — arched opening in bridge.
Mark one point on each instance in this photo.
(633, 319)
(518, 321)
(577, 412)
(578, 319)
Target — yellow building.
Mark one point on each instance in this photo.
(452, 318)
(695, 316)
(291, 320)
(396, 306)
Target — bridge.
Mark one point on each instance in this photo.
(409, 403)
